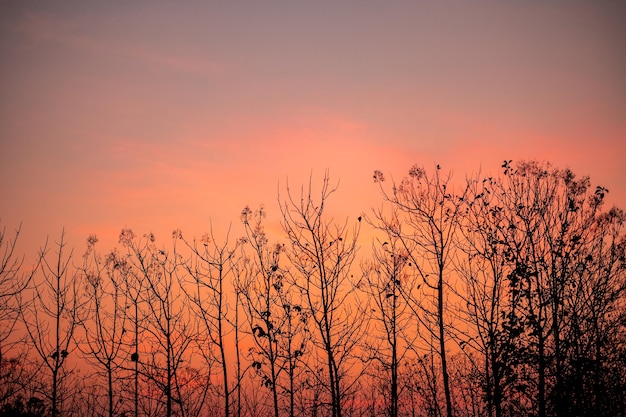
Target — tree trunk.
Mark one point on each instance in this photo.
(442, 347)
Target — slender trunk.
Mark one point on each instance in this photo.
(497, 388)
(560, 407)
(332, 377)
(237, 301)
(394, 380)
(541, 394)
(110, 387)
(274, 381)
(272, 348)
(292, 403)
(57, 353)
(221, 345)
(596, 400)
(136, 359)
(394, 358)
(442, 347)
(224, 371)
(489, 356)
(291, 369)
(337, 388)
(55, 411)
(168, 387)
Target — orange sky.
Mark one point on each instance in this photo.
(156, 115)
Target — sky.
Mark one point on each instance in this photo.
(157, 115)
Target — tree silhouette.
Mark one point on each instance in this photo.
(210, 268)
(277, 321)
(426, 215)
(500, 296)
(104, 326)
(133, 284)
(168, 327)
(390, 339)
(490, 305)
(542, 258)
(14, 372)
(51, 318)
(322, 252)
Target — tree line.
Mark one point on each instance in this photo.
(493, 296)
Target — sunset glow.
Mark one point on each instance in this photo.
(165, 117)
(162, 116)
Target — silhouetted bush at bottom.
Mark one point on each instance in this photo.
(34, 407)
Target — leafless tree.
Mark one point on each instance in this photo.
(14, 373)
(168, 325)
(277, 320)
(425, 218)
(52, 317)
(210, 269)
(133, 285)
(102, 339)
(322, 253)
(489, 306)
(393, 333)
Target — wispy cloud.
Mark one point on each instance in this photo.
(76, 34)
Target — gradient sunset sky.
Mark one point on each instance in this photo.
(162, 115)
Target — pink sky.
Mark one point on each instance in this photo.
(157, 116)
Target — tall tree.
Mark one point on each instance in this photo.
(52, 317)
(594, 334)
(490, 303)
(133, 285)
(169, 328)
(542, 257)
(210, 269)
(549, 214)
(102, 340)
(390, 340)
(426, 222)
(13, 349)
(322, 253)
(276, 318)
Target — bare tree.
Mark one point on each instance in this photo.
(133, 285)
(104, 326)
(490, 305)
(168, 325)
(383, 280)
(210, 268)
(322, 253)
(14, 373)
(52, 318)
(426, 220)
(277, 320)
